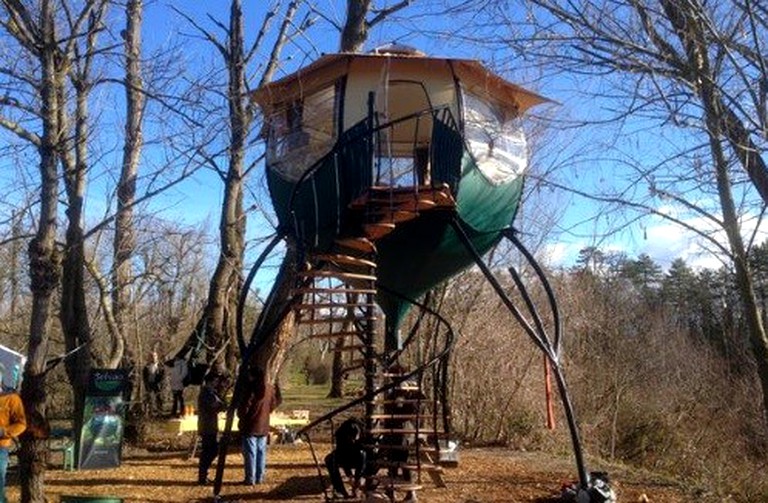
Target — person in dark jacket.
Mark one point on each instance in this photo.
(253, 422)
(349, 455)
(209, 404)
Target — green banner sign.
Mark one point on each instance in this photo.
(101, 436)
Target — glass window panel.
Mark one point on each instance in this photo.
(497, 145)
(301, 133)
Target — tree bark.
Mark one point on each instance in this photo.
(74, 158)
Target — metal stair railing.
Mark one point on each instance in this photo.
(320, 199)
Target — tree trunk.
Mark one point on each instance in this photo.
(34, 450)
(337, 371)
(44, 269)
(74, 311)
(124, 239)
(226, 281)
(279, 322)
(74, 308)
(355, 30)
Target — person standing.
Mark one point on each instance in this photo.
(209, 403)
(178, 375)
(12, 424)
(253, 422)
(153, 375)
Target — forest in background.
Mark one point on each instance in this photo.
(659, 366)
(666, 369)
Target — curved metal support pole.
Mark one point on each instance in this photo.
(543, 342)
(246, 354)
(557, 321)
(247, 286)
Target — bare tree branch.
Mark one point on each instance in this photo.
(382, 14)
(206, 34)
(19, 131)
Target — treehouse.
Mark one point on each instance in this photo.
(391, 172)
(389, 147)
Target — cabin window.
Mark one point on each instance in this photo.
(301, 132)
(496, 142)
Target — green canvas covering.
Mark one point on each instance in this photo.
(421, 254)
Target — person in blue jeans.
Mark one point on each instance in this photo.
(260, 399)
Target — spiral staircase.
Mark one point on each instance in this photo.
(405, 422)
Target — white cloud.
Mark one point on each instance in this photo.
(663, 241)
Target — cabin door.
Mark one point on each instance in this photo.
(404, 111)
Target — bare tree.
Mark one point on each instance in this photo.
(74, 155)
(361, 17)
(224, 289)
(688, 65)
(37, 36)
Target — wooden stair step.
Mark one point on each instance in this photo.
(341, 258)
(338, 334)
(390, 215)
(331, 305)
(335, 335)
(390, 401)
(411, 448)
(440, 195)
(360, 244)
(320, 273)
(409, 465)
(393, 374)
(401, 416)
(341, 290)
(378, 230)
(401, 485)
(329, 320)
(423, 466)
(417, 205)
(381, 430)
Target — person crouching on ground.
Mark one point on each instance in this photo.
(209, 404)
(260, 400)
(12, 424)
(349, 455)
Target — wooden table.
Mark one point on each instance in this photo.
(277, 422)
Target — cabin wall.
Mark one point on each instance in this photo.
(365, 77)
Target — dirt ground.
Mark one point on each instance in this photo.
(483, 475)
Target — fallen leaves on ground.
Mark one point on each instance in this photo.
(482, 476)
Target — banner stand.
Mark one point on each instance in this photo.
(100, 443)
